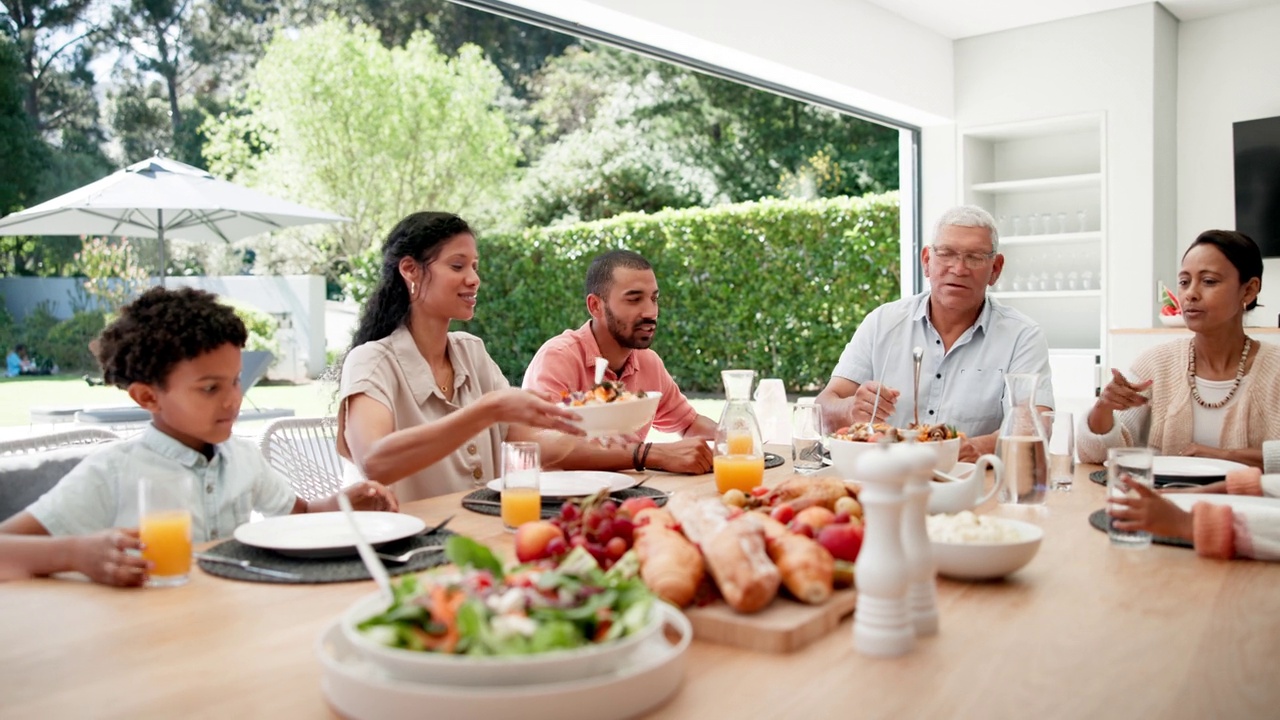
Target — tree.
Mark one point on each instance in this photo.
(19, 144)
(518, 49)
(617, 131)
(180, 62)
(334, 120)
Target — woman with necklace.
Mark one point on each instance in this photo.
(1216, 395)
(422, 407)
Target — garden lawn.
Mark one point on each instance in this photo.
(19, 395)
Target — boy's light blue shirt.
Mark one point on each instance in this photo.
(14, 364)
(102, 491)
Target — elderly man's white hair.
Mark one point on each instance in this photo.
(969, 216)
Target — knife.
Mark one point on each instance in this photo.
(244, 565)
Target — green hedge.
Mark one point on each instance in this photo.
(776, 286)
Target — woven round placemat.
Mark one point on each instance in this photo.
(487, 502)
(772, 460)
(1098, 519)
(348, 568)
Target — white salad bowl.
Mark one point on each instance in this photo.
(468, 671)
(622, 417)
(964, 560)
(845, 454)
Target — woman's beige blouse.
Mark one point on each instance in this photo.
(394, 373)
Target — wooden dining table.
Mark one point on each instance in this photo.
(1084, 630)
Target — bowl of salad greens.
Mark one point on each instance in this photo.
(476, 623)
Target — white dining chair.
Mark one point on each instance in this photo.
(305, 451)
(50, 441)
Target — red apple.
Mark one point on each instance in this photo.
(631, 507)
(816, 517)
(783, 514)
(532, 539)
(842, 541)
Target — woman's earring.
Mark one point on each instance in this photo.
(413, 288)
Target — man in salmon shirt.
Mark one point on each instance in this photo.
(622, 298)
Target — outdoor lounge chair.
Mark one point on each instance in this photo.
(254, 368)
(30, 467)
(305, 451)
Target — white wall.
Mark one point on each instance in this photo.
(1111, 62)
(1228, 70)
(847, 50)
(301, 296)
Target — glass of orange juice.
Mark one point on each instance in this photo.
(164, 524)
(521, 496)
(740, 471)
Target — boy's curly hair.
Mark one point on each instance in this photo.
(160, 329)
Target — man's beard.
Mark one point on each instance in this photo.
(626, 337)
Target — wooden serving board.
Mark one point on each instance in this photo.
(782, 627)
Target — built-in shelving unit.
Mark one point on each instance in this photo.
(1044, 181)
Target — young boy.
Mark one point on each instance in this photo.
(177, 354)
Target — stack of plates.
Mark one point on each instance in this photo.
(358, 686)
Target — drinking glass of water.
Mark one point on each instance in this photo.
(806, 435)
(1126, 467)
(1062, 449)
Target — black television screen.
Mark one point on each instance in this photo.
(1257, 145)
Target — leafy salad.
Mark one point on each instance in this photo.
(474, 607)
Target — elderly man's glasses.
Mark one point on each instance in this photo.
(973, 261)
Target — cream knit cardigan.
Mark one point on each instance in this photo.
(1165, 423)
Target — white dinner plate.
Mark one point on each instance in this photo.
(1181, 466)
(577, 483)
(1186, 500)
(326, 534)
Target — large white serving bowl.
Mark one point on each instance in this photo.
(845, 454)
(468, 671)
(617, 418)
(988, 561)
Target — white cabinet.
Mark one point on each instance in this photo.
(1044, 181)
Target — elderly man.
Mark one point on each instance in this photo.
(622, 298)
(970, 341)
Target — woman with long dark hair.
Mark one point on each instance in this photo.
(422, 407)
(1216, 395)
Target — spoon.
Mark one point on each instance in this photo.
(916, 356)
(370, 558)
(601, 365)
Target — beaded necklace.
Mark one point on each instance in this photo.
(1191, 377)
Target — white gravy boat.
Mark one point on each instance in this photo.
(952, 494)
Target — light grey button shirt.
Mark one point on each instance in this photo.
(102, 491)
(963, 386)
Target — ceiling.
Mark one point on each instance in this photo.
(957, 19)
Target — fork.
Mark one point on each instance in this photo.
(407, 556)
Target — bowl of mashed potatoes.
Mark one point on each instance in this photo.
(981, 547)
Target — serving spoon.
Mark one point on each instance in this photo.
(916, 356)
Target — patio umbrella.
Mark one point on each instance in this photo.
(159, 198)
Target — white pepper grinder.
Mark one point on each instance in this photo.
(882, 622)
(922, 587)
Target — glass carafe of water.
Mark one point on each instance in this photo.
(1023, 444)
(739, 460)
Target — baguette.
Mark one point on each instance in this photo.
(736, 556)
(808, 570)
(670, 565)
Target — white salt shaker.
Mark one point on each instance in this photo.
(922, 587)
(882, 622)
